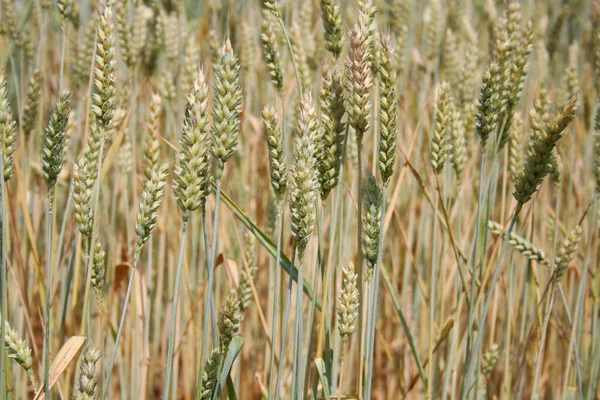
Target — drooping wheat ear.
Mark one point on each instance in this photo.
(490, 359)
(358, 81)
(433, 29)
(536, 165)
(191, 61)
(245, 289)
(30, 113)
(85, 388)
(388, 113)
(104, 97)
(450, 64)
(277, 162)
(442, 129)
(55, 139)
(487, 115)
(270, 53)
(371, 221)
(333, 26)
(467, 82)
(347, 308)
(304, 184)
(209, 377)
(367, 14)
(515, 157)
(230, 318)
(98, 273)
(247, 46)
(151, 154)
(300, 52)
(331, 144)
(148, 210)
(192, 173)
(522, 245)
(459, 149)
(8, 130)
(227, 105)
(17, 350)
(567, 252)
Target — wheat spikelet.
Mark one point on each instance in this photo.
(277, 162)
(55, 139)
(104, 97)
(245, 289)
(566, 253)
(85, 387)
(333, 26)
(18, 351)
(388, 114)
(347, 308)
(210, 375)
(98, 273)
(270, 53)
(8, 131)
(522, 245)
(30, 113)
(230, 318)
(151, 153)
(371, 221)
(442, 129)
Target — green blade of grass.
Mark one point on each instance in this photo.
(267, 244)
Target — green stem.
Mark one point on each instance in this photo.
(49, 199)
(3, 286)
(286, 317)
(432, 297)
(173, 320)
(373, 311)
(276, 301)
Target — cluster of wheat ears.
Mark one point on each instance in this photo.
(285, 199)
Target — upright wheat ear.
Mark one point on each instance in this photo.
(104, 97)
(348, 302)
(567, 252)
(8, 131)
(148, 209)
(333, 26)
(55, 139)
(270, 52)
(371, 224)
(85, 388)
(209, 377)
(442, 129)
(358, 81)
(227, 106)
(230, 318)
(277, 162)
(388, 115)
(30, 113)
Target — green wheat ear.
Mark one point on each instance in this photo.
(371, 220)
(348, 302)
(55, 139)
(8, 131)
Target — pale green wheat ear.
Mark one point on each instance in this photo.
(388, 114)
(358, 81)
(347, 308)
(537, 163)
(247, 48)
(522, 245)
(192, 173)
(371, 220)
(104, 97)
(245, 289)
(55, 139)
(566, 253)
(333, 26)
(227, 106)
(85, 387)
(330, 146)
(64, 9)
(150, 201)
(304, 184)
(98, 273)
(270, 53)
(8, 130)
(30, 113)
(486, 116)
(209, 376)
(230, 318)
(459, 149)
(19, 352)
(277, 162)
(442, 129)
(367, 13)
(151, 154)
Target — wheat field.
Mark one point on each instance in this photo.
(300, 199)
